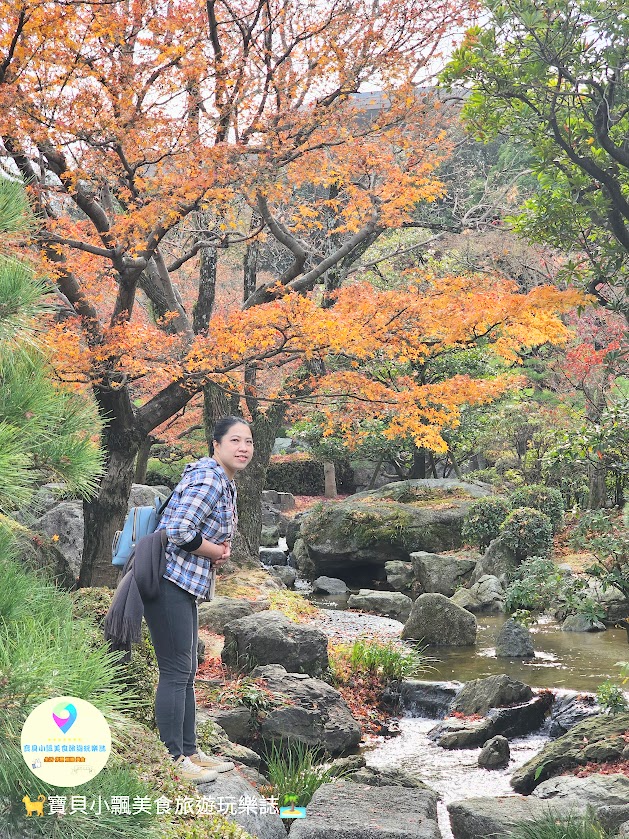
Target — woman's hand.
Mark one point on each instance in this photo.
(219, 554)
(227, 549)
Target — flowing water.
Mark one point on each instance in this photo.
(563, 660)
(454, 774)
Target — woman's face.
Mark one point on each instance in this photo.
(235, 450)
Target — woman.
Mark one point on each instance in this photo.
(199, 521)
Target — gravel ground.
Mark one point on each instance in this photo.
(341, 626)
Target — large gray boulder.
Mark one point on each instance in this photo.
(64, 521)
(399, 574)
(142, 495)
(285, 574)
(487, 596)
(300, 558)
(256, 818)
(273, 556)
(375, 527)
(437, 622)
(270, 638)
(597, 790)
(612, 600)
(346, 810)
(329, 585)
(215, 614)
(514, 641)
(497, 561)
(596, 740)
(308, 711)
(441, 573)
(480, 818)
(582, 623)
(479, 695)
(390, 604)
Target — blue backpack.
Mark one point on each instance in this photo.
(140, 521)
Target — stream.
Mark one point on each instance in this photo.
(563, 661)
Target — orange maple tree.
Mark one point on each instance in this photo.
(127, 120)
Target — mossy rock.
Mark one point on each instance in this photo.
(388, 524)
(599, 739)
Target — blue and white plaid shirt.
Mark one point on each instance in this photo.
(203, 506)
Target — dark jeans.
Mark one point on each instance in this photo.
(173, 624)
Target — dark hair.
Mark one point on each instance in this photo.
(224, 424)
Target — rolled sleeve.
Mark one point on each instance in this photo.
(194, 506)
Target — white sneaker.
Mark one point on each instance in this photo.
(191, 772)
(199, 758)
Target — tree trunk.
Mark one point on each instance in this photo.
(251, 481)
(418, 469)
(142, 460)
(597, 497)
(329, 477)
(125, 431)
(104, 514)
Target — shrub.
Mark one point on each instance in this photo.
(534, 586)
(607, 537)
(543, 498)
(46, 652)
(140, 672)
(483, 520)
(528, 532)
(301, 474)
(611, 698)
(555, 827)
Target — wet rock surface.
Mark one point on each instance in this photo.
(479, 695)
(569, 709)
(495, 753)
(457, 733)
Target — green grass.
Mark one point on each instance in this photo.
(388, 661)
(296, 771)
(551, 827)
